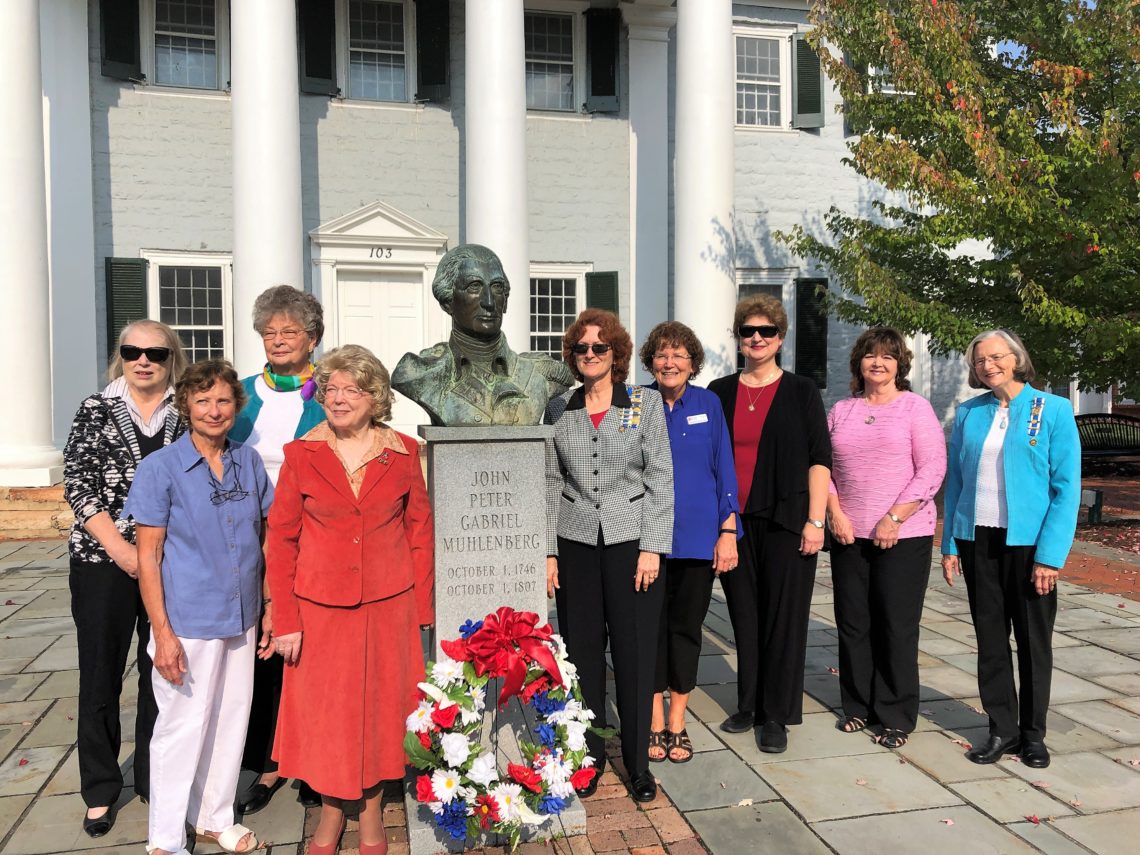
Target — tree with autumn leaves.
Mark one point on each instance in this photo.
(1009, 136)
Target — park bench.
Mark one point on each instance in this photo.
(1106, 438)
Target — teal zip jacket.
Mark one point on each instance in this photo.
(312, 414)
(1042, 463)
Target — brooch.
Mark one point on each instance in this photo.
(631, 416)
(383, 458)
(1035, 418)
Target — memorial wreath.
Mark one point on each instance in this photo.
(462, 784)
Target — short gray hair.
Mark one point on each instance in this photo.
(1022, 371)
(366, 371)
(443, 285)
(286, 300)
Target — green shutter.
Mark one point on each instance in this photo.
(807, 85)
(811, 330)
(119, 49)
(316, 46)
(603, 27)
(126, 295)
(602, 291)
(433, 50)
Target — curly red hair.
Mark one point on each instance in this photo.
(610, 331)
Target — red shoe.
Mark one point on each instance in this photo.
(331, 848)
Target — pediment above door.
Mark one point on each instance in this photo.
(378, 221)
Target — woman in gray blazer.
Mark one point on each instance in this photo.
(609, 482)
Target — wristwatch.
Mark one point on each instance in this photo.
(895, 518)
(816, 523)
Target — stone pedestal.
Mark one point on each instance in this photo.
(488, 494)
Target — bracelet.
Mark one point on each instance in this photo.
(728, 531)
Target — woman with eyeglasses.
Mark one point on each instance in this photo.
(704, 526)
(111, 434)
(199, 506)
(282, 407)
(1013, 489)
(609, 519)
(351, 570)
(782, 455)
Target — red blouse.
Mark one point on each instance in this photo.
(752, 407)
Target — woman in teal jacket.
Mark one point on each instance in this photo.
(1013, 486)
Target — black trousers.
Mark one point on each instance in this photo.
(688, 590)
(999, 580)
(109, 615)
(769, 600)
(268, 675)
(878, 607)
(596, 601)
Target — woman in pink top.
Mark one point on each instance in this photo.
(889, 455)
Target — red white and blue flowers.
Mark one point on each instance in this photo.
(462, 785)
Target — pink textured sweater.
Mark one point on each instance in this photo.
(899, 457)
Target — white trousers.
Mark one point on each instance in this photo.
(195, 752)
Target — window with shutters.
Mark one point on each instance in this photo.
(554, 44)
(192, 293)
(185, 43)
(779, 84)
(378, 50)
(555, 302)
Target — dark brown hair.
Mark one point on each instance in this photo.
(760, 304)
(885, 340)
(673, 334)
(201, 377)
(610, 331)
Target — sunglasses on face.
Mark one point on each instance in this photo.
(765, 330)
(131, 353)
(599, 349)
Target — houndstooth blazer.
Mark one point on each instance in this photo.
(618, 477)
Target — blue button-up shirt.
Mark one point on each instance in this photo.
(704, 480)
(211, 559)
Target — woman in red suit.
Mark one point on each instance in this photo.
(349, 561)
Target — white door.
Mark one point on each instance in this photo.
(384, 312)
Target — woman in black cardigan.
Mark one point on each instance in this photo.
(783, 464)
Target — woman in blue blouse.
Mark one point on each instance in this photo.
(704, 526)
(1011, 552)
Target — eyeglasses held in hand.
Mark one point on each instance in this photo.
(287, 335)
(130, 353)
(350, 393)
(995, 358)
(765, 330)
(599, 349)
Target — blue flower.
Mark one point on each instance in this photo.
(469, 628)
(546, 734)
(544, 705)
(551, 805)
(453, 820)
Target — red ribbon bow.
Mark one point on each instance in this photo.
(504, 646)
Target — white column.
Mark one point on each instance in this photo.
(704, 245)
(494, 116)
(27, 456)
(649, 27)
(267, 162)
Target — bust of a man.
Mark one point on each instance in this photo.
(474, 378)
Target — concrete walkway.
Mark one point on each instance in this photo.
(831, 792)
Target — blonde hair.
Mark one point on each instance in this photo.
(177, 363)
(366, 371)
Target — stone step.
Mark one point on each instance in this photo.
(34, 512)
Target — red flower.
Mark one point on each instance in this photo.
(526, 776)
(534, 687)
(423, 789)
(445, 717)
(487, 811)
(457, 649)
(425, 739)
(582, 777)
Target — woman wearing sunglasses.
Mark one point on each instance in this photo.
(783, 464)
(111, 434)
(609, 487)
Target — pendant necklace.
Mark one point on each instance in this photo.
(763, 383)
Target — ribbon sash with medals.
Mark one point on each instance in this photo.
(1035, 418)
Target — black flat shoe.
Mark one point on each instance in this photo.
(993, 749)
(258, 796)
(642, 787)
(773, 738)
(738, 722)
(307, 796)
(99, 827)
(1034, 755)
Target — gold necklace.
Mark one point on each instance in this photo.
(763, 383)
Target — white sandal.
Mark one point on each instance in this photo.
(229, 839)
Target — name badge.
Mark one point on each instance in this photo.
(698, 419)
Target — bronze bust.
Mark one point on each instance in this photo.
(474, 378)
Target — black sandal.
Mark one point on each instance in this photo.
(657, 739)
(892, 738)
(680, 742)
(851, 724)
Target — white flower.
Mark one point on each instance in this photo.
(420, 719)
(587, 762)
(468, 795)
(553, 768)
(456, 748)
(467, 716)
(444, 783)
(446, 671)
(562, 789)
(509, 797)
(436, 807)
(569, 672)
(558, 645)
(479, 696)
(483, 770)
(571, 712)
(432, 692)
(526, 815)
(575, 735)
